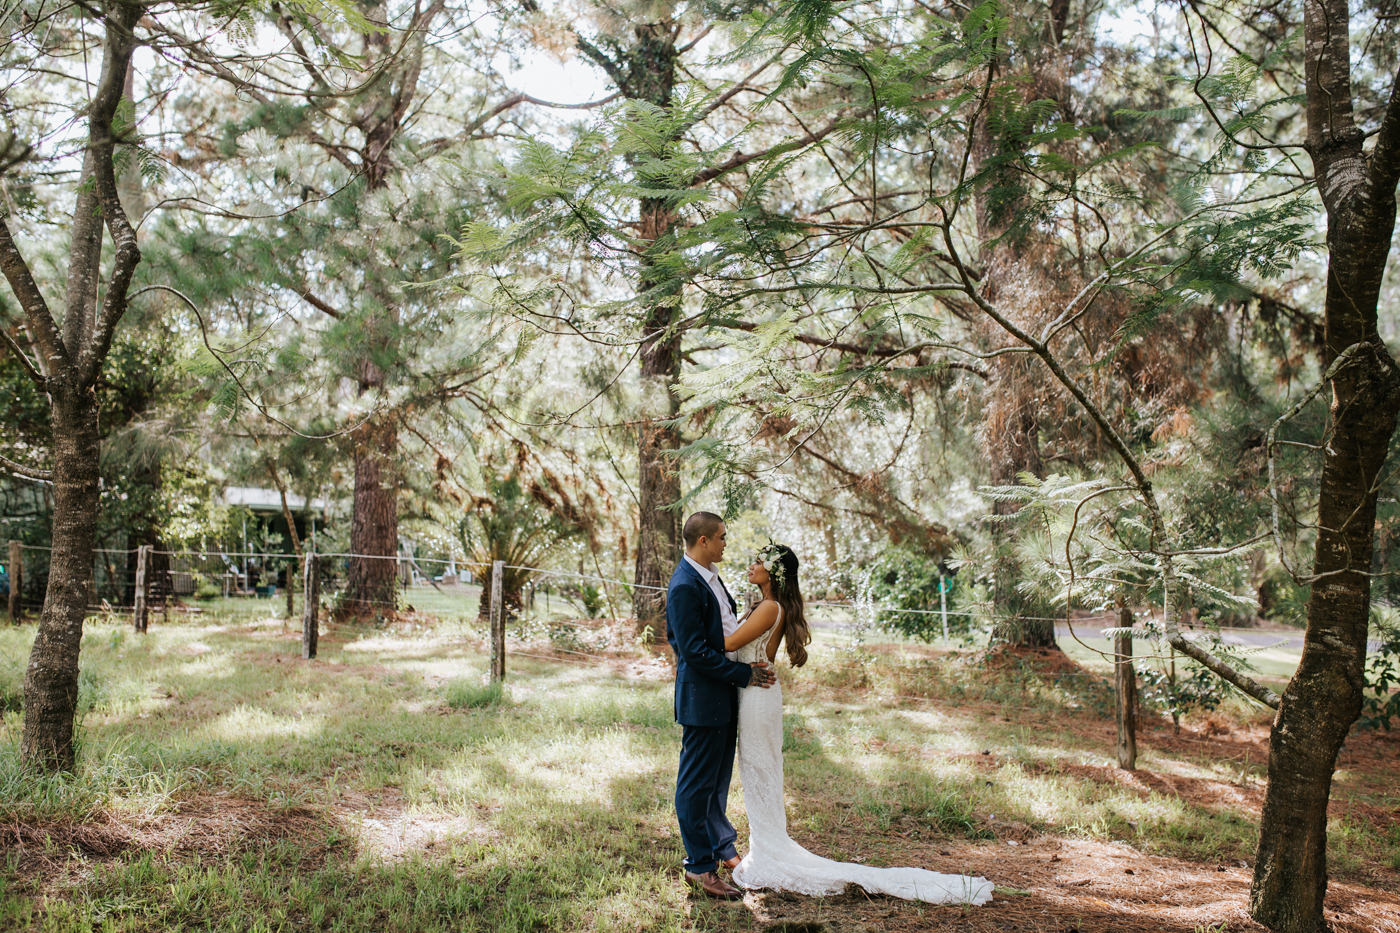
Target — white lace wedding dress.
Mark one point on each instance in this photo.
(774, 861)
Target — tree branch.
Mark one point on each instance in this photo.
(1385, 154)
(36, 309)
(119, 44)
(740, 159)
(24, 361)
(19, 469)
(596, 55)
(306, 295)
(884, 353)
(438, 145)
(1159, 541)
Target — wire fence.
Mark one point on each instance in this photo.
(186, 578)
(555, 615)
(560, 608)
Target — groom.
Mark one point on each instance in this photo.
(699, 613)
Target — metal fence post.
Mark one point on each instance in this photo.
(311, 599)
(139, 614)
(498, 625)
(943, 604)
(1125, 686)
(16, 582)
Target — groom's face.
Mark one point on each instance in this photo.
(714, 545)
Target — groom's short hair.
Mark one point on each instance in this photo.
(700, 525)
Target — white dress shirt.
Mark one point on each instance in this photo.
(711, 576)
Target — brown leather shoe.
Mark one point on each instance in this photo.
(732, 862)
(712, 885)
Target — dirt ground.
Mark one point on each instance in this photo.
(1075, 886)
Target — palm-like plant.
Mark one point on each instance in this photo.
(511, 525)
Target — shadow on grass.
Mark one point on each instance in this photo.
(554, 804)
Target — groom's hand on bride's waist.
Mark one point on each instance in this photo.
(763, 675)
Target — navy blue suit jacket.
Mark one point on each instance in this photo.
(706, 681)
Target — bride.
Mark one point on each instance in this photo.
(774, 860)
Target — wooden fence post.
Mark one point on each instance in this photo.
(1125, 686)
(291, 585)
(139, 615)
(16, 582)
(311, 599)
(498, 624)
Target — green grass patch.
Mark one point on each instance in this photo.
(385, 786)
(469, 694)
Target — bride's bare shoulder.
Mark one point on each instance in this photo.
(766, 610)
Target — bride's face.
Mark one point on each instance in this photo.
(758, 574)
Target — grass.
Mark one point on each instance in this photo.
(226, 784)
(469, 694)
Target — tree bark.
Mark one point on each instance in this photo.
(1324, 697)
(51, 679)
(371, 587)
(1014, 449)
(1011, 431)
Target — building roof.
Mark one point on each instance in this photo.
(258, 499)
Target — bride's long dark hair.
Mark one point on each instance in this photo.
(787, 593)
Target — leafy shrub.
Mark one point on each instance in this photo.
(205, 588)
(1381, 701)
(564, 637)
(901, 578)
(592, 599)
(1193, 686)
(1283, 600)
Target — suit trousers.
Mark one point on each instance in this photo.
(702, 792)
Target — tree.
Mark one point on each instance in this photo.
(365, 169)
(517, 526)
(1324, 697)
(626, 191)
(71, 354)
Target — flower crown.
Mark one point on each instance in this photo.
(771, 557)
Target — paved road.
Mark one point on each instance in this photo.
(1090, 631)
(1287, 639)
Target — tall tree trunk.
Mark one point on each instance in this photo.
(1011, 433)
(645, 70)
(71, 364)
(1324, 696)
(658, 439)
(1011, 430)
(51, 679)
(394, 62)
(371, 587)
(1014, 448)
(371, 584)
